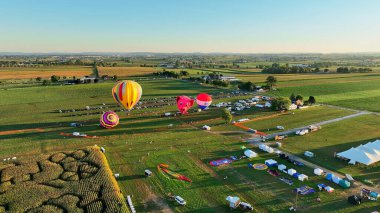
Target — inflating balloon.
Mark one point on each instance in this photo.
(204, 100)
(127, 93)
(109, 120)
(184, 103)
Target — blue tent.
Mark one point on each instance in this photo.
(329, 176)
(295, 175)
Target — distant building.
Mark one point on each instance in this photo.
(228, 78)
(87, 79)
(84, 80)
(300, 65)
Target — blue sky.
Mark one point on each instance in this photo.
(244, 26)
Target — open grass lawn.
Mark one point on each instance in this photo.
(338, 137)
(143, 140)
(362, 94)
(44, 72)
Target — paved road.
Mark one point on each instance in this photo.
(292, 131)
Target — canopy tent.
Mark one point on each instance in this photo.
(345, 184)
(303, 177)
(281, 167)
(318, 171)
(291, 171)
(249, 153)
(367, 154)
(271, 162)
(329, 189)
(233, 201)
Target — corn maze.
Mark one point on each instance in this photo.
(78, 181)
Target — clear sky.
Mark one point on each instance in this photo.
(240, 26)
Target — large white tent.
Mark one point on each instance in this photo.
(367, 154)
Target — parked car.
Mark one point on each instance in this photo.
(180, 200)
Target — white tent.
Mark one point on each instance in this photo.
(302, 177)
(249, 153)
(291, 171)
(281, 167)
(366, 154)
(318, 171)
(234, 201)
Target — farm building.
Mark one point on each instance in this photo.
(366, 154)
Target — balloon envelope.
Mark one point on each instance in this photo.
(184, 103)
(127, 93)
(204, 100)
(109, 119)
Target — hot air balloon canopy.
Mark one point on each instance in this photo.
(109, 119)
(127, 93)
(204, 100)
(184, 103)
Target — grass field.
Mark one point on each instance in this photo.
(143, 140)
(338, 137)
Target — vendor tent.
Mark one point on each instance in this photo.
(329, 189)
(345, 184)
(291, 171)
(336, 179)
(318, 171)
(281, 167)
(329, 176)
(271, 162)
(233, 201)
(249, 153)
(367, 154)
(303, 177)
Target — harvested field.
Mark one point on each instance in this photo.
(43, 72)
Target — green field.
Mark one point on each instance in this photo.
(338, 137)
(143, 140)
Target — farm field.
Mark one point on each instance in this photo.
(44, 72)
(143, 140)
(126, 71)
(77, 181)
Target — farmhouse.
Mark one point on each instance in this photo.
(366, 154)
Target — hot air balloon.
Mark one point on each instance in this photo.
(204, 100)
(184, 103)
(127, 93)
(109, 120)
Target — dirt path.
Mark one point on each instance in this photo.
(12, 132)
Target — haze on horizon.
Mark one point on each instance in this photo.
(242, 26)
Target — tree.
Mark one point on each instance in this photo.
(45, 82)
(281, 103)
(184, 73)
(311, 100)
(248, 86)
(292, 97)
(38, 79)
(54, 78)
(115, 77)
(226, 115)
(271, 81)
(299, 98)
